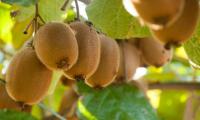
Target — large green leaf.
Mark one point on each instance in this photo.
(20, 2)
(111, 18)
(6, 23)
(116, 102)
(50, 10)
(14, 115)
(24, 17)
(192, 47)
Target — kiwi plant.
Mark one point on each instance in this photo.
(129, 61)
(182, 28)
(56, 46)
(89, 51)
(158, 13)
(153, 52)
(81, 53)
(27, 79)
(109, 63)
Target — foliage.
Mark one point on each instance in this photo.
(14, 115)
(122, 102)
(114, 102)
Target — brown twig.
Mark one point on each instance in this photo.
(28, 26)
(176, 86)
(2, 81)
(34, 20)
(124, 60)
(63, 8)
(77, 10)
(36, 15)
(42, 20)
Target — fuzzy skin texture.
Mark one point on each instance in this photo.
(56, 46)
(109, 63)
(27, 79)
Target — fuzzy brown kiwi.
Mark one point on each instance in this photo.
(56, 46)
(27, 79)
(109, 63)
(66, 81)
(5, 101)
(89, 51)
(182, 29)
(130, 57)
(154, 53)
(159, 13)
(69, 99)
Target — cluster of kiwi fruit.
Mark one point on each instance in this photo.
(81, 53)
(171, 22)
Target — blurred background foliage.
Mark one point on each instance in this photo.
(110, 17)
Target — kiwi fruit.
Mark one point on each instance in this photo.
(154, 53)
(89, 51)
(27, 79)
(129, 61)
(68, 101)
(56, 46)
(159, 13)
(66, 81)
(5, 101)
(183, 28)
(109, 63)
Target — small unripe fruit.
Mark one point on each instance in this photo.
(183, 28)
(159, 13)
(154, 53)
(89, 51)
(129, 61)
(56, 46)
(27, 79)
(109, 64)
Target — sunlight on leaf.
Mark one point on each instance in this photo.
(111, 18)
(6, 23)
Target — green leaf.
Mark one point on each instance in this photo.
(116, 102)
(50, 10)
(24, 17)
(14, 115)
(6, 23)
(111, 18)
(20, 2)
(192, 47)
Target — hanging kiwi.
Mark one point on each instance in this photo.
(5, 101)
(182, 29)
(129, 61)
(159, 13)
(56, 46)
(68, 102)
(109, 63)
(27, 79)
(154, 53)
(89, 51)
(66, 81)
